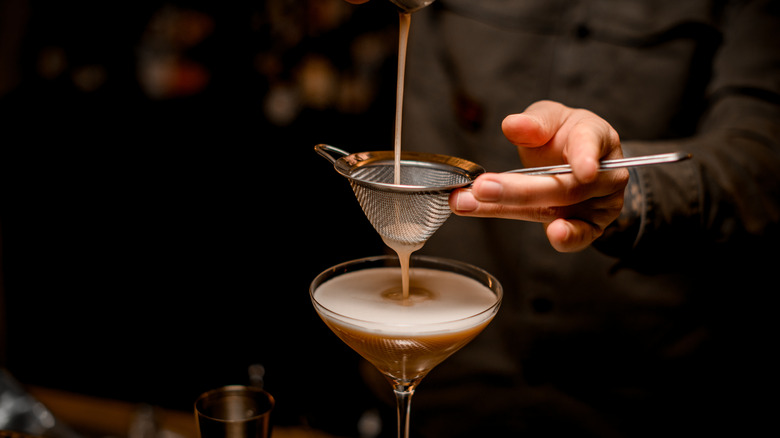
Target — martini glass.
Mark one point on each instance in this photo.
(405, 335)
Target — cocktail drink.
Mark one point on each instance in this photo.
(405, 335)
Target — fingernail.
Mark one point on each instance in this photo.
(465, 201)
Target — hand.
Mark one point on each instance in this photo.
(574, 208)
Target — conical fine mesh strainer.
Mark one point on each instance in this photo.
(409, 212)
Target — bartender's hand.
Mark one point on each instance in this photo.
(575, 208)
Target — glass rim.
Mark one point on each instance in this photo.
(465, 268)
(234, 389)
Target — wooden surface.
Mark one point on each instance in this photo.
(101, 417)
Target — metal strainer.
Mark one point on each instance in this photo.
(409, 212)
(409, 6)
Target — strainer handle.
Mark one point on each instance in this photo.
(324, 149)
(642, 160)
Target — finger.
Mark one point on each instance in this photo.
(464, 203)
(535, 126)
(599, 212)
(590, 139)
(558, 190)
(583, 137)
(564, 234)
(542, 199)
(571, 235)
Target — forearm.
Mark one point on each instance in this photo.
(729, 193)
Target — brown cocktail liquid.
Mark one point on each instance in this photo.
(404, 250)
(405, 339)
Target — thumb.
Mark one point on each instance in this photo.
(535, 126)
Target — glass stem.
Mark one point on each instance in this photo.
(403, 397)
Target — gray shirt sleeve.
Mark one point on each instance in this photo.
(729, 194)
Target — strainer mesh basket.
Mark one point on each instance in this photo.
(409, 212)
(406, 216)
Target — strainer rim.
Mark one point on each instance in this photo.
(346, 165)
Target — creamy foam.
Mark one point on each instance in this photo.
(447, 303)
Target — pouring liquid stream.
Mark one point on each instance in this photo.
(404, 250)
(403, 38)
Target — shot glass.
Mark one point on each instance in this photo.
(234, 412)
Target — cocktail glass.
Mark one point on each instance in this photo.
(405, 337)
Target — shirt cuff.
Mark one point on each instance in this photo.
(623, 234)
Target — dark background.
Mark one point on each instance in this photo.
(162, 209)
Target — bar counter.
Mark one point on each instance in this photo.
(99, 417)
